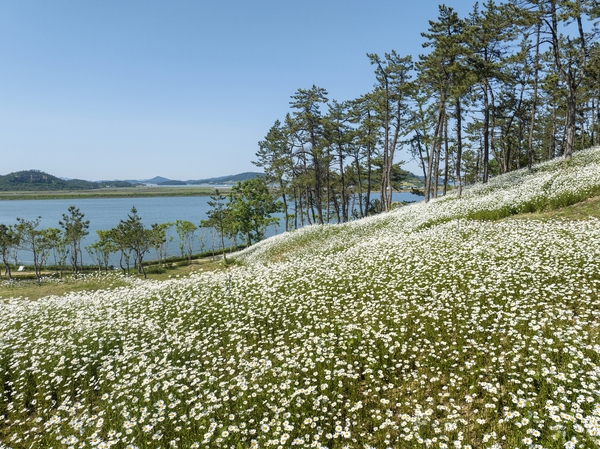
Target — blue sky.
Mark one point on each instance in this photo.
(185, 89)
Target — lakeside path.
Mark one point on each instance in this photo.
(122, 192)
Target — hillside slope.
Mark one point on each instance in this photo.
(551, 185)
(420, 328)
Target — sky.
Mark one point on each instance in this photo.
(109, 89)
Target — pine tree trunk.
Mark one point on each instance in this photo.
(369, 169)
(343, 186)
(593, 123)
(436, 163)
(535, 95)
(285, 205)
(360, 192)
(486, 132)
(458, 146)
(434, 144)
(446, 156)
(571, 112)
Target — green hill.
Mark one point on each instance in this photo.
(35, 180)
(447, 324)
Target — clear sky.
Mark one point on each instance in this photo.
(182, 89)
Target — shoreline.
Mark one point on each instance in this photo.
(123, 192)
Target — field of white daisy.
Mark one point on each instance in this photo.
(440, 325)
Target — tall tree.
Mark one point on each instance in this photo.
(393, 87)
(487, 35)
(363, 114)
(274, 156)
(443, 71)
(309, 125)
(339, 135)
(570, 53)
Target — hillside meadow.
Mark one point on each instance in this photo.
(440, 325)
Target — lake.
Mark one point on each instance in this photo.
(105, 213)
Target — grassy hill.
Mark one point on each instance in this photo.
(448, 324)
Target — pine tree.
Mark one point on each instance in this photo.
(444, 72)
(392, 90)
(274, 156)
(308, 126)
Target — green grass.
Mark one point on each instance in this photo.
(29, 288)
(25, 285)
(578, 211)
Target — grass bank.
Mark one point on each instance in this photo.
(124, 192)
(26, 287)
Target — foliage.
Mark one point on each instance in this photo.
(251, 205)
(9, 240)
(525, 73)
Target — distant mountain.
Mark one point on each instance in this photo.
(162, 181)
(36, 180)
(232, 179)
(157, 180)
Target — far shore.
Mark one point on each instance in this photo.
(121, 192)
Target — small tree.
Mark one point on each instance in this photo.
(9, 240)
(119, 242)
(185, 231)
(101, 249)
(251, 206)
(132, 235)
(218, 218)
(51, 239)
(31, 239)
(94, 254)
(161, 240)
(201, 239)
(75, 229)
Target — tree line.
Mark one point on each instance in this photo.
(245, 211)
(505, 87)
